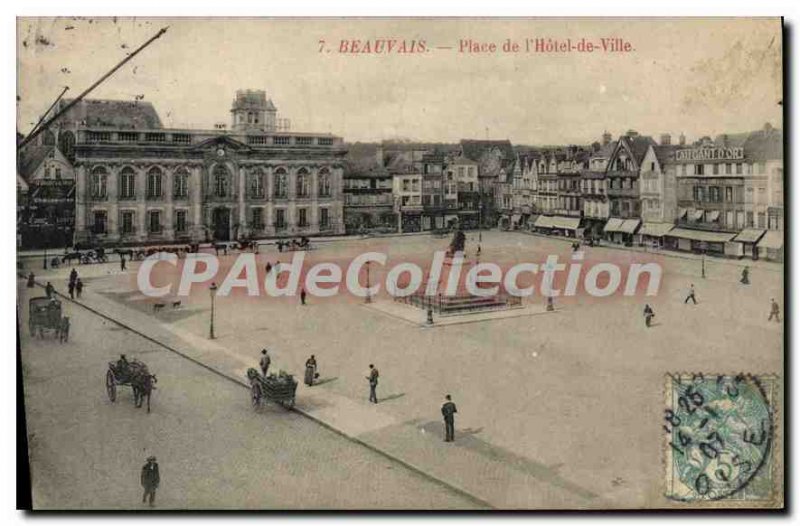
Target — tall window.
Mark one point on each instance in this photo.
(257, 183)
(127, 222)
(220, 177)
(100, 222)
(154, 177)
(258, 218)
(99, 183)
(302, 217)
(302, 183)
(280, 183)
(324, 183)
(180, 184)
(154, 221)
(127, 183)
(280, 218)
(180, 221)
(324, 218)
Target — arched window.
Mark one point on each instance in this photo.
(127, 183)
(280, 182)
(99, 183)
(257, 183)
(302, 183)
(49, 138)
(221, 181)
(180, 184)
(66, 143)
(154, 177)
(324, 183)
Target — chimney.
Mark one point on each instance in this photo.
(606, 138)
(666, 139)
(379, 155)
(682, 140)
(632, 133)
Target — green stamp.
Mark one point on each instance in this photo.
(719, 437)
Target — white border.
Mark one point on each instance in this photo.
(602, 8)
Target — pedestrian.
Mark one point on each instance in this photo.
(264, 362)
(31, 280)
(49, 289)
(745, 276)
(373, 383)
(311, 371)
(774, 311)
(648, 315)
(73, 275)
(448, 412)
(150, 480)
(269, 267)
(690, 295)
(63, 330)
(303, 296)
(550, 306)
(79, 287)
(122, 263)
(71, 288)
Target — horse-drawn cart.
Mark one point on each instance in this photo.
(44, 316)
(278, 388)
(134, 374)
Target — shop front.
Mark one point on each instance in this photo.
(652, 234)
(700, 241)
(747, 240)
(771, 246)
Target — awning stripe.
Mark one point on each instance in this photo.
(772, 239)
(749, 235)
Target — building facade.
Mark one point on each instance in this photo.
(138, 182)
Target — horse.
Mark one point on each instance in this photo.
(142, 385)
(72, 255)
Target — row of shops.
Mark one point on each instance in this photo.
(752, 243)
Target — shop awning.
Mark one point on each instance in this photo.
(772, 239)
(567, 223)
(749, 235)
(515, 218)
(655, 229)
(697, 215)
(613, 225)
(629, 226)
(681, 213)
(701, 235)
(543, 222)
(713, 215)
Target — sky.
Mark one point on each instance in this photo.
(693, 76)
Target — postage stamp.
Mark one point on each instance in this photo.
(720, 437)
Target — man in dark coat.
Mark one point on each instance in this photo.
(264, 362)
(150, 480)
(373, 383)
(49, 289)
(71, 288)
(73, 276)
(302, 296)
(448, 412)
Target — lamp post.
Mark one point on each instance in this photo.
(44, 261)
(368, 298)
(213, 291)
(703, 265)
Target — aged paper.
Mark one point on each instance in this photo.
(401, 264)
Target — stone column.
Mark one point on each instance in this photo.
(141, 202)
(243, 230)
(112, 194)
(196, 202)
(169, 220)
(80, 233)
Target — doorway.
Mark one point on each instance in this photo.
(221, 224)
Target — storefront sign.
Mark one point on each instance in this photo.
(710, 154)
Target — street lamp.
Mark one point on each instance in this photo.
(213, 291)
(44, 261)
(703, 265)
(368, 298)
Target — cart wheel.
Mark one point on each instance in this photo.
(255, 395)
(111, 386)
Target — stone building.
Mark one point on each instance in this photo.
(138, 182)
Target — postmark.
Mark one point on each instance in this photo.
(719, 437)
